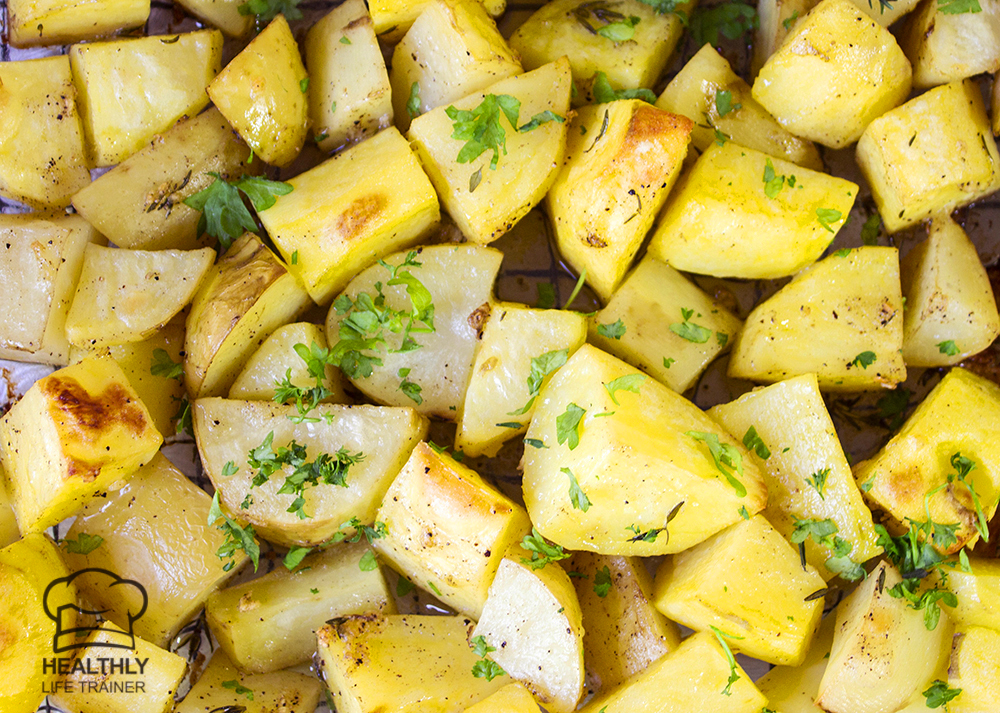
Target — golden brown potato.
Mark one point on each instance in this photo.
(62, 22)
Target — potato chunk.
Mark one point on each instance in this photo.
(73, 434)
(27, 629)
(434, 377)
(393, 18)
(946, 47)
(40, 263)
(806, 472)
(38, 108)
(836, 71)
(351, 210)
(693, 677)
(747, 582)
(702, 88)
(661, 322)
(262, 93)
(882, 652)
(727, 219)
(270, 623)
(119, 116)
(519, 348)
(975, 669)
(792, 689)
(451, 50)
(641, 455)
(403, 664)
(486, 199)
(775, 19)
(951, 312)
(931, 154)
(62, 22)
(512, 698)
(349, 92)
(533, 620)
(976, 591)
(224, 14)
(127, 295)
(246, 296)
(139, 204)
(617, 174)
(954, 421)
(840, 318)
(229, 430)
(448, 527)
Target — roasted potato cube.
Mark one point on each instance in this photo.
(571, 28)
(533, 621)
(775, 19)
(224, 14)
(693, 677)
(229, 430)
(154, 532)
(951, 312)
(62, 22)
(930, 155)
(701, 90)
(624, 632)
(640, 454)
(270, 623)
(349, 93)
(403, 664)
(727, 218)
(835, 71)
(449, 528)
(806, 472)
(270, 364)
(746, 581)
(38, 108)
(139, 204)
(662, 323)
(161, 393)
(73, 434)
(93, 687)
(975, 669)
(392, 18)
(8, 521)
(112, 78)
(520, 346)
(452, 49)
(128, 295)
(280, 691)
(977, 592)
(882, 652)
(40, 262)
(32, 614)
(840, 319)
(434, 377)
(946, 47)
(604, 201)
(512, 698)
(792, 689)
(262, 93)
(486, 196)
(246, 296)
(351, 210)
(954, 422)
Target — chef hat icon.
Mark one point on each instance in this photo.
(62, 608)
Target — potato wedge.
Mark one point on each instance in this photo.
(270, 623)
(840, 319)
(946, 47)
(976, 592)
(434, 377)
(127, 295)
(533, 621)
(74, 433)
(224, 14)
(229, 430)
(62, 22)
(642, 460)
(40, 265)
(8, 521)
(392, 18)
(775, 19)
(792, 689)
(512, 698)
(974, 669)
(951, 312)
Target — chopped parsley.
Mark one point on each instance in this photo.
(604, 93)
(602, 582)
(410, 388)
(163, 365)
(481, 129)
(731, 19)
(224, 216)
(568, 425)
(295, 556)
(306, 400)
(267, 10)
(236, 686)
(619, 31)
(824, 533)
(304, 85)
(826, 216)
(948, 348)
(541, 118)
(542, 552)
(541, 366)
(369, 562)
(773, 183)
(963, 467)
(864, 359)
(413, 103)
(724, 102)
(939, 693)
(755, 444)
(486, 668)
(728, 460)
(577, 498)
(958, 7)
(734, 676)
(237, 537)
(84, 544)
(870, 230)
(629, 382)
(787, 22)
(689, 330)
(818, 481)
(651, 534)
(613, 330)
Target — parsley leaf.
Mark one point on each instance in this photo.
(295, 556)
(824, 533)
(84, 544)
(818, 481)
(410, 388)
(667, 363)
(481, 129)
(724, 102)
(604, 93)
(541, 118)
(825, 216)
(369, 562)
(370, 533)
(727, 459)
(546, 295)
(864, 360)
(578, 499)
(870, 230)
(486, 668)
(755, 443)
(237, 537)
(958, 7)
(787, 22)
(267, 10)
(602, 582)
(948, 348)
(183, 419)
(629, 382)
(664, 7)
(614, 330)
(224, 215)
(772, 182)
(413, 103)
(939, 693)
(620, 31)
(689, 330)
(239, 688)
(963, 466)
(733, 675)
(542, 552)
(316, 360)
(541, 366)
(651, 534)
(568, 425)
(730, 19)
(163, 365)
